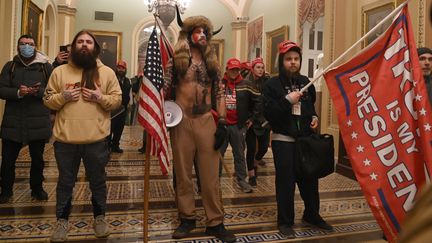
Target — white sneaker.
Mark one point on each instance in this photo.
(101, 227)
(59, 233)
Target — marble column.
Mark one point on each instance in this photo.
(239, 40)
(66, 24)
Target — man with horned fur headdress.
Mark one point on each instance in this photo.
(193, 80)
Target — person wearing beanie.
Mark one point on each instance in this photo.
(241, 102)
(291, 114)
(192, 80)
(258, 132)
(119, 115)
(425, 59)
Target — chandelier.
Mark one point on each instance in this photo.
(166, 9)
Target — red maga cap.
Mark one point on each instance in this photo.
(246, 65)
(233, 63)
(257, 60)
(287, 45)
(122, 63)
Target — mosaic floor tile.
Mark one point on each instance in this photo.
(252, 216)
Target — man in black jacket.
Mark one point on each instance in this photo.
(291, 114)
(119, 115)
(26, 120)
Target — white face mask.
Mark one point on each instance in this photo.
(26, 50)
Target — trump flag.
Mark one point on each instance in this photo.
(385, 121)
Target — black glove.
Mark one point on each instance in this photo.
(220, 136)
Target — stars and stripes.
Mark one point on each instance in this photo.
(151, 109)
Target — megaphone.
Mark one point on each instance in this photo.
(173, 113)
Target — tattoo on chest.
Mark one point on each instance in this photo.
(200, 106)
(201, 75)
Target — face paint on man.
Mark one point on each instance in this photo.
(199, 37)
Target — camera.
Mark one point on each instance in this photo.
(64, 49)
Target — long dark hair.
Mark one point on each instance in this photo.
(90, 76)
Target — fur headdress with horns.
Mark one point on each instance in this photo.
(182, 53)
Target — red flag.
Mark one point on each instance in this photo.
(385, 121)
(150, 109)
(166, 50)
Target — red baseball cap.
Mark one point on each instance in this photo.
(287, 45)
(257, 60)
(246, 65)
(122, 63)
(233, 63)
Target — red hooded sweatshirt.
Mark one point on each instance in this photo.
(231, 99)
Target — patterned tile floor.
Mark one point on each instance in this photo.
(251, 216)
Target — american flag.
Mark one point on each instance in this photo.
(150, 109)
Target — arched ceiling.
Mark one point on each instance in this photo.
(238, 8)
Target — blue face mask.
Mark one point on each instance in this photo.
(27, 50)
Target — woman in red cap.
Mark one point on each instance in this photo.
(257, 131)
(291, 114)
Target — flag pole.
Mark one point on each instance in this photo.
(146, 188)
(396, 10)
(159, 24)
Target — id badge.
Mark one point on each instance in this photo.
(296, 109)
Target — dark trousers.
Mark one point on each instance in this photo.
(10, 152)
(263, 142)
(236, 138)
(283, 155)
(117, 126)
(95, 156)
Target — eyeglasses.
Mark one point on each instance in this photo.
(22, 44)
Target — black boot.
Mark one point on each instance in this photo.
(252, 181)
(39, 194)
(184, 229)
(286, 231)
(318, 222)
(116, 149)
(221, 233)
(5, 196)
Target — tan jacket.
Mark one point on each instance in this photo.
(81, 122)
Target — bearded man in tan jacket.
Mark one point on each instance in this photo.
(82, 92)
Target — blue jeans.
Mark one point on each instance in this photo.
(95, 156)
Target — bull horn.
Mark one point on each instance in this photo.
(179, 20)
(217, 31)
